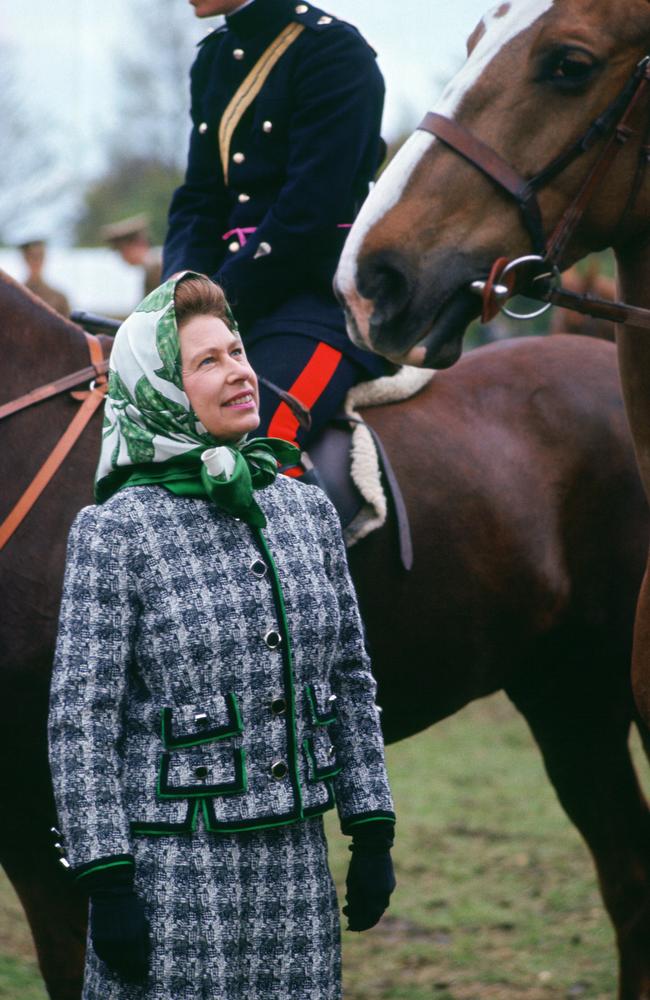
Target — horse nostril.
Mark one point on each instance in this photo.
(384, 278)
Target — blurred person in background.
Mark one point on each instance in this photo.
(130, 239)
(33, 252)
(286, 106)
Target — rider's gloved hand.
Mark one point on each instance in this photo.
(371, 879)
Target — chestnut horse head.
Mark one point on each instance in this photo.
(543, 88)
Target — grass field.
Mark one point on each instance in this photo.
(496, 895)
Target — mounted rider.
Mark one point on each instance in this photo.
(286, 105)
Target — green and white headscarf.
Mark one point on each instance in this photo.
(151, 434)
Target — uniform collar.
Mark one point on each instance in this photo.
(261, 17)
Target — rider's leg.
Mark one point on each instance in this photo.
(317, 374)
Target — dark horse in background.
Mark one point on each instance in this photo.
(552, 105)
(529, 526)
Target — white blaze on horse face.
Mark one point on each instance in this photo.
(502, 24)
(392, 182)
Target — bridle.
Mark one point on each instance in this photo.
(612, 125)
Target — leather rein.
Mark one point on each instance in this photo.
(612, 124)
(90, 398)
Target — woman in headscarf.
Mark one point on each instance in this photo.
(212, 696)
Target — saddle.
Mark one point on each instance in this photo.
(330, 457)
(331, 454)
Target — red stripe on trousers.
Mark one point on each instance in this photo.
(308, 387)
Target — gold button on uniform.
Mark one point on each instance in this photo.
(238, 53)
(203, 128)
(302, 8)
(238, 157)
(234, 246)
(267, 126)
(243, 198)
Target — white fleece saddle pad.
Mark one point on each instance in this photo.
(365, 468)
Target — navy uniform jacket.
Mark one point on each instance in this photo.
(300, 164)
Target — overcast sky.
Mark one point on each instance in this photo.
(67, 48)
(66, 52)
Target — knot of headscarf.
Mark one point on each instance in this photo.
(253, 466)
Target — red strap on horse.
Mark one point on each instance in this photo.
(492, 305)
(92, 399)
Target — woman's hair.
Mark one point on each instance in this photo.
(199, 296)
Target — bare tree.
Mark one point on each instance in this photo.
(153, 80)
(146, 153)
(34, 178)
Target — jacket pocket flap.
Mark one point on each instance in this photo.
(203, 771)
(190, 725)
(321, 757)
(321, 703)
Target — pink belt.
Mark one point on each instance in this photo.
(243, 232)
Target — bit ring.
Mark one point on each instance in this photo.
(553, 274)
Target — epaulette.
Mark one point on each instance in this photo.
(318, 20)
(212, 33)
(313, 17)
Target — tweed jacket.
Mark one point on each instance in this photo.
(177, 694)
(301, 161)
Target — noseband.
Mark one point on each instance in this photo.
(612, 123)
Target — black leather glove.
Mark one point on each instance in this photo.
(371, 878)
(119, 929)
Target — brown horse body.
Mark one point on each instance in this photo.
(529, 527)
(539, 73)
(38, 346)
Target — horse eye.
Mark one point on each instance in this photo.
(568, 69)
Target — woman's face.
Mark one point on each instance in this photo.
(219, 382)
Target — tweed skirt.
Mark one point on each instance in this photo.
(248, 916)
